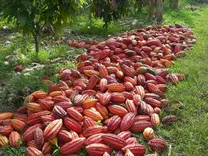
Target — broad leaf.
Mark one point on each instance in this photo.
(22, 19)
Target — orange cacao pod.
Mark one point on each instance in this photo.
(105, 98)
(91, 73)
(3, 141)
(74, 134)
(152, 87)
(137, 99)
(38, 137)
(64, 136)
(55, 93)
(136, 149)
(153, 102)
(32, 151)
(97, 149)
(148, 133)
(131, 80)
(93, 114)
(29, 133)
(52, 129)
(36, 117)
(60, 98)
(47, 148)
(72, 124)
(46, 104)
(47, 118)
(128, 71)
(59, 112)
(39, 94)
(131, 106)
(128, 86)
(131, 140)
(142, 117)
(116, 87)
(117, 110)
(89, 103)
(125, 134)
(158, 144)
(139, 126)
(102, 110)
(79, 99)
(75, 114)
(18, 124)
(34, 107)
(169, 119)
(6, 130)
(96, 138)
(21, 117)
(140, 90)
(14, 139)
(94, 130)
(173, 79)
(155, 119)
(88, 122)
(113, 122)
(72, 146)
(114, 141)
(102, 71)
(103, 84)
(6, 115)
(117, 97)
(141, 79)
(92, 82)
(127, 121)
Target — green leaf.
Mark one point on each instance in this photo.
(54, 2)
(22, 19)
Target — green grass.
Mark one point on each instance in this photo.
(189, 136)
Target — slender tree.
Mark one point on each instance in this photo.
(30, 15)
(151, 9)
(159, 11)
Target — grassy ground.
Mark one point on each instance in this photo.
(189, 135)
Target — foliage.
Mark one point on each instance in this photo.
(11, 151)
(30, 16)
(110, 10)
(198, 1)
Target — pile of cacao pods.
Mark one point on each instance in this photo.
(117, 89)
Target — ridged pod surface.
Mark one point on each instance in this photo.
(14, 139)
(114, 141)
(52, 129)
(72, 146)
(97, 149)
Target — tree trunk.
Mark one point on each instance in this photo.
(159, 11)
(35, 35)
(151, 9)
(171, 3)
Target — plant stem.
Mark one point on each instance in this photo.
(35, 35)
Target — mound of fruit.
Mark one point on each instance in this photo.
(117, 90)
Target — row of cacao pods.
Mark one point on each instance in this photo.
(117, 89)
